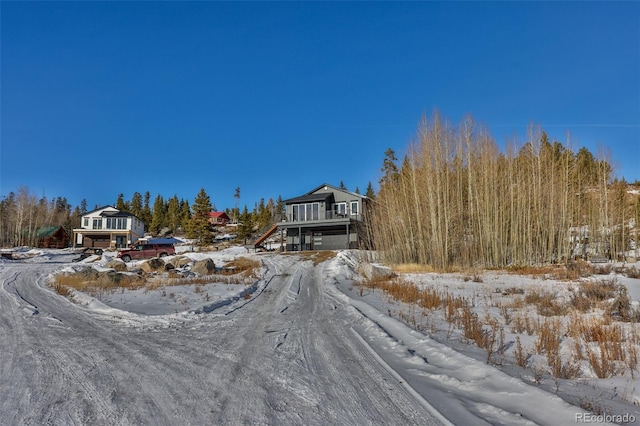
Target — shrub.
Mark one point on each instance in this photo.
(602, 269)
(599, 290)
(581, 303)
(243, 266)
(622, 308)
(633, 272)
(546, 303)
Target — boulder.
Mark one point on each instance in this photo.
(165, 232)
(88, 274)
(204, 267)
(180, 261)
(152, 265)
(116, 264)
(372, 271)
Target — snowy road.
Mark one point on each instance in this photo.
(289, 356)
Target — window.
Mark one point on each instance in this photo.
(116, 223)
(340, 209)
(305, 212)
(354, 208)
(97, 223)
(86, 222)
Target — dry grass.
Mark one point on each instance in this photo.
(520, 354)
(407, 292)
(322, 256)
(599, 290)
(572, 270)
(94, 283)
(412, 268)
(549, 336)
(546, 303)
(632, 272)
(316, 257)
(602, 269)
(607, 346)
(522, 324)
(239, 271)
(242, 266)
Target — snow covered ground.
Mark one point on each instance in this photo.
(306, 346)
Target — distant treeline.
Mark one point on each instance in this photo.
(458, 200)
(22, 214)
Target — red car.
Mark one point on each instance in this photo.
(146, 251)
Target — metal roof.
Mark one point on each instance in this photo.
(162, 240)
(48, 231)
(309, 198)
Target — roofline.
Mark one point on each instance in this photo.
(119, 212)
(355, 194)
(299, 198)
(99, 208)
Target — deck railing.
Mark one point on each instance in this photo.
(324, 216)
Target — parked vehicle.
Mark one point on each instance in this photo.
(147, 250)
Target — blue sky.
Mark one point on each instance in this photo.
(102, 98)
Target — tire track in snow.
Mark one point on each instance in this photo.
(285, 358)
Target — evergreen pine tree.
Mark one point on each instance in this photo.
(185, 217)
(158, 216)
(389, 169)
(200, 226)
(245, 225)
(136, 205)
(370, 192)
(120, 204)
(146, 211)
(173, 218)
(279, 214)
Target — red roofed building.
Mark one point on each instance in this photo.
(219, 218)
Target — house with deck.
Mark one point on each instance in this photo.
(325, 218)
(108, 227)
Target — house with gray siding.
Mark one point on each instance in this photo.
(325, 218)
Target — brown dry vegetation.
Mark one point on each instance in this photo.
(570, 271)
(602, 341)
(316, 257)
(407, 268)
(94, 283)
(239, 271)
(242, 266)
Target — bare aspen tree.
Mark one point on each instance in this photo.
(459, 201)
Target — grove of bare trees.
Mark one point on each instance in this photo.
(22, 214)
(458, 200)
